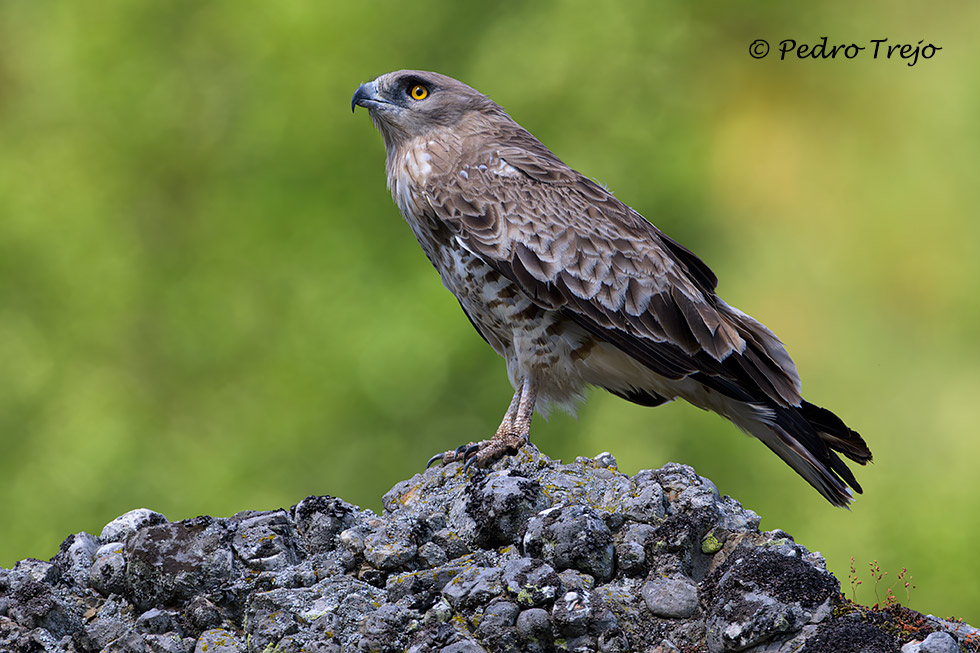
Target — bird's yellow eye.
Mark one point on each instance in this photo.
(419, 92)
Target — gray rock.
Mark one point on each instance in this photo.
(462, 528)
(473, 587)
(266, 541)
(530, 581)
(665, 646)
(581, 643)
(321, 519)
(681, 533)
(497, 628)
(37, 571)
(673, 477)
(572, 537)
(352, 540)
(631, 557)
(112, 621)
(571, 614)
(202, 613)
(791, 643)
(439, 613)
(498, 615)
(465, 646)
(333, 610)
(631, 546)
(268, 621)
(37, 605)
(604, 622)
(534, 629)
(645, 503)
(405, 494)
(575, 581)
(421, 588)
(76, 556)
(302, 574)
(171, 563)
(733, 517)
(753, 619)
(218, 641)
(107, 574)
(451, 542)
(120, 528)
(502, 505)
(583, 483)
(166, 643)
(757, 594)
(432, 555)
(456, 562)
(606, 459)
(671, 597)
(613, 643)
(156, 621)
(390, 545)
(388, 628)
(934, 643)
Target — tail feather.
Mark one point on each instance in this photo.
(835, 432)
(808, 439)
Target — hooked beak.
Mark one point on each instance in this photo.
(366, 96)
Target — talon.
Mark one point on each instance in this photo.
(483, 453)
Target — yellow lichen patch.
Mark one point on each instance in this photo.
(410, 496)
(711, 544)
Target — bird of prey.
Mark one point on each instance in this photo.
(573, 288)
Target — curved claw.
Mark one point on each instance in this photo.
(469, 456)
(462, 452)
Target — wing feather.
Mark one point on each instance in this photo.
(571, 246)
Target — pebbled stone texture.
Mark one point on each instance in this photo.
(530, 555)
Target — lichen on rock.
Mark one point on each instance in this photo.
(531, 555)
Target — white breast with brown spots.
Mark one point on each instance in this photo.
(535, 342)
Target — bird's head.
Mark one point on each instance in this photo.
(410, 103)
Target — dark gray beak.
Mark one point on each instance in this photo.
(365, 95)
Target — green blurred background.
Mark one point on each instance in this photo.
(208, 302)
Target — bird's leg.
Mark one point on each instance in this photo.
(521, 422)
(511, 413)
(511, 435)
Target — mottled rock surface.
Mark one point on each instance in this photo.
(531, 555)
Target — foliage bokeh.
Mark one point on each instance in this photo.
(208, 302)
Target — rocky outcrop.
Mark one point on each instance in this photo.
(532, 555)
